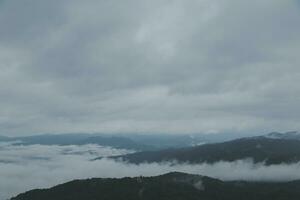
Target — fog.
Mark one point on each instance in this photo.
(24, 168)
(27, 167)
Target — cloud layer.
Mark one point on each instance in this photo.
(27, 167)
(24, 168)
(159, 66)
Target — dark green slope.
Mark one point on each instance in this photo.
(172, 186)
(272, 151)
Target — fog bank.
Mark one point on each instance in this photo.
(24, 168)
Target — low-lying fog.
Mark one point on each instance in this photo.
(38, 166)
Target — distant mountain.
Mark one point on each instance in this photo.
(292, 135)
(4, 139)
(138, 142)
(171, 186)
(79, 139)
(260, 149)
(164, 141)
(116, 142)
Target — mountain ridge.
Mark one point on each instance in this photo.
(170, 186)
(259, 148)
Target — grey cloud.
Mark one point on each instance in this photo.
(159, 66)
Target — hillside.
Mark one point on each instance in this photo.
(260, 149)
(171, 186)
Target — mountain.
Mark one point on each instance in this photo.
(171, 186)
(79, 139)
(139, 142)
(292, 135)
(164, 141)
(260, 149)
(116, 142)
(4, 139)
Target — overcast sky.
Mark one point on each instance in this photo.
(159, 66)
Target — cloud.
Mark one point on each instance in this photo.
(34, 166)
(159, 66)
(24, 168)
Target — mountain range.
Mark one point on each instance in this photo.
(137, 142)
(284, 148)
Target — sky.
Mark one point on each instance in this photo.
(159, 66)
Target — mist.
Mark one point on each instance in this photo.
(23, 168)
